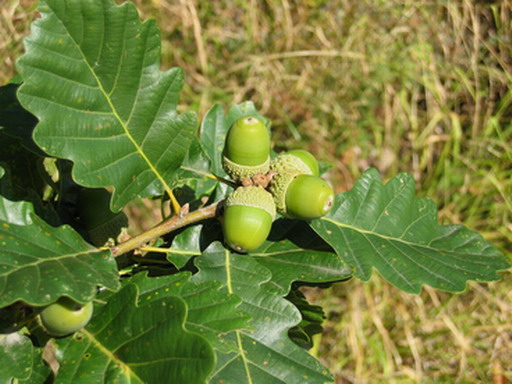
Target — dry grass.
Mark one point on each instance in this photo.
(15, 17)
(377, 334)
(417, 86)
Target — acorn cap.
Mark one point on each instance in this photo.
(286, 162)
(279, 185)
(308, 159)
(253, 196)
(239, 172)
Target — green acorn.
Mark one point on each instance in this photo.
(301, 196)
(65, 317)
(248, 216)
(296, 160)
(247, 149)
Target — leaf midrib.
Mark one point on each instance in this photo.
(114, 110)
(109, 354)
(400, 240)
(229, 286)
(52, 259)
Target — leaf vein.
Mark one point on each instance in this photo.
(412, 223)
(389, 203)
(426, 246)
(386, 261)
(361, 204)
(74, 109)
(58, 76)
(122, 122)
(52, 259)
(120, 60)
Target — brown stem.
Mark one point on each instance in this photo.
(172, 224)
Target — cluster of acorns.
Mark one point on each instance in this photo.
(289, 184)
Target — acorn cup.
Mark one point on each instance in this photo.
(301, 196)
(296, 160)
(247, 219)
(247, 149)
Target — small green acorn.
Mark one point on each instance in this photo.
(247, 148)
(248, 216)
(301, 196)
(65, 317)
(296, 160)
